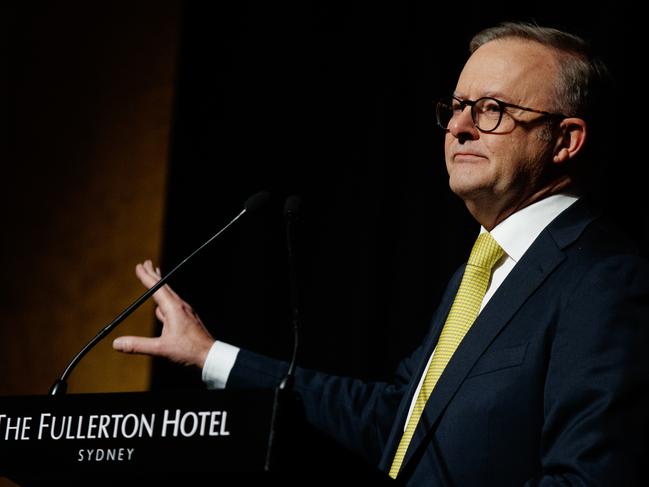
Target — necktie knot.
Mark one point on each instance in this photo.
(486, 252)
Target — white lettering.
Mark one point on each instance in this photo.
(146, 425)
(12, 427)
(68, 435)
(133, 432)
(92, 426)
(218, 419)
(194, 424)
(166, 422)
(42, 424)
(53, 435)
(104, 421)
(26, 427)
(105, 455)
(19, 428)
(203, 415)
(116, 417)
(224, 417)
(214, 422)
(89, 427)
(79, 426)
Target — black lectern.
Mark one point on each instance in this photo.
(206, 430)
(146, 438)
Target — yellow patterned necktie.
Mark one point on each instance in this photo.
(466, 306)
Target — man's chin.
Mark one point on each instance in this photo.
(468, 190)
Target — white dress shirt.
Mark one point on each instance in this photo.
(515, 235)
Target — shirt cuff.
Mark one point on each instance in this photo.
(218, 365)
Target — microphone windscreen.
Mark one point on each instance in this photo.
(256, 201)
(292, 205)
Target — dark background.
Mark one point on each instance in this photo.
(329, 100)
(333, 101)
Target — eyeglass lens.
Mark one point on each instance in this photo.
(485, 112)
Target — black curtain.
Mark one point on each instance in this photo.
(333, 101)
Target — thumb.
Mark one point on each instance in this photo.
(132, 344)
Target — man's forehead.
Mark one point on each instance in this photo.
(508, 66)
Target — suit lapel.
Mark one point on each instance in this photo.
(437, 323)
(539, 261)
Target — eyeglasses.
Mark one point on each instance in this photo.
(486, 112)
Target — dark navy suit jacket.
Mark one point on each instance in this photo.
(550, 386)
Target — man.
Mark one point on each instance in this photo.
(534, 371)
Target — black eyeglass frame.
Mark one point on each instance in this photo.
(501, 104)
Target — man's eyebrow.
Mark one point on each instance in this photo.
(488, 94)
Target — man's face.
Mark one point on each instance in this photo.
(502, 169)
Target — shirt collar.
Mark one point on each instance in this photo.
(518, 231)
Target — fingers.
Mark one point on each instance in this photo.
(159, 314)
(183, 339)
(139, 345)
(163, 296)
(147, 274)
(150, 276)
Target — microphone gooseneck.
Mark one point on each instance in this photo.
(60, 385)
(291, 214)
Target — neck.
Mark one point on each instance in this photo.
(490, 213)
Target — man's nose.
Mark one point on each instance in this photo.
(461, 125)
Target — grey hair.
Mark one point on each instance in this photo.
(580, 74)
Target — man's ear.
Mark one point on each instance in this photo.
(571, 139)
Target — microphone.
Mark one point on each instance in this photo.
(60, 386)
(291, 215)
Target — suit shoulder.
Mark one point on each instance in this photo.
(602, 239)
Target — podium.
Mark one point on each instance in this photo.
(141, 438)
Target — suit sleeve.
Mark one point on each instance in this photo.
(596, 393)
(357, 414)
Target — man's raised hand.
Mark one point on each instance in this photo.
(184, 338)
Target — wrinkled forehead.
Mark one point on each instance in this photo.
(515, 70)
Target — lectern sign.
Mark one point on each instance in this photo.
(137, 431)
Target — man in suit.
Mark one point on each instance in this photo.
(535, 369)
